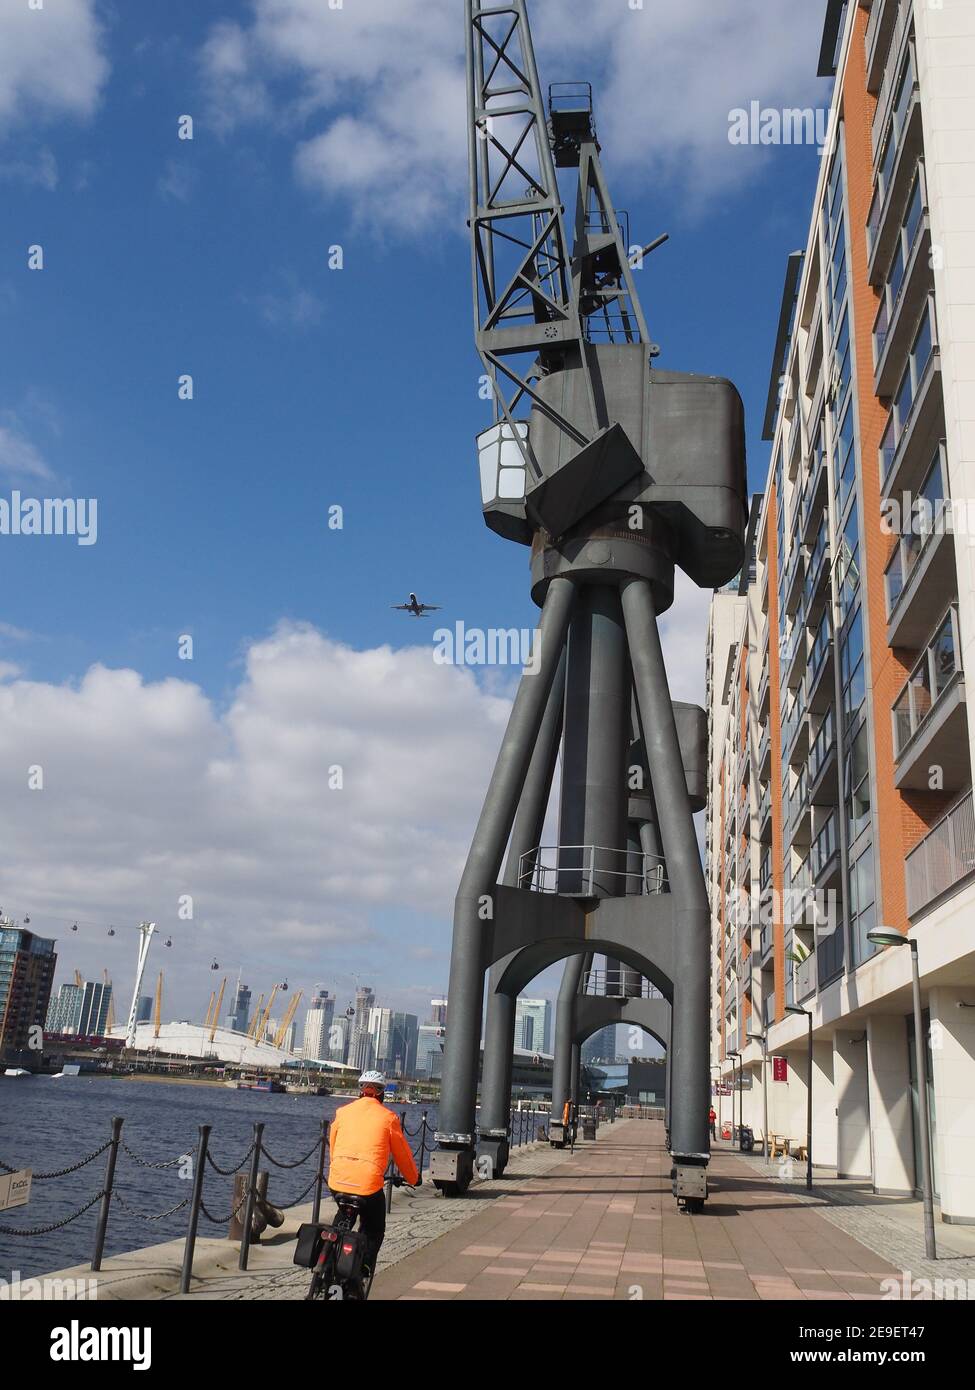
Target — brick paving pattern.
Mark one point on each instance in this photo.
(602, 1224)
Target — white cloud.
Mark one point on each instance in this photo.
(51, 62)
(290, 305)
(20, 459)
(37, 168)
(177, 180)
(151, 792)
(382, 88)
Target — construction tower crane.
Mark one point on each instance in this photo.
(292, 1009)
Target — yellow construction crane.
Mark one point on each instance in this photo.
(78, 978)
(252, 1030)
(216, 1012)
(267, 1014)
(282, 1032)
(158, 1009)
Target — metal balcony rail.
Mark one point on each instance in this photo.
(586, 870)
(943, 858)
(935, 671)
(822, 744)
(824, 846)
(616, 984)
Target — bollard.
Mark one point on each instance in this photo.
(245, 1239)
(389, 1189)
(316, 1206)
(102, 1227)
(423, 1144)
(190, 1246)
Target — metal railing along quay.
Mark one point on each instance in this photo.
(251, 1206)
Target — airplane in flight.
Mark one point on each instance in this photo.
(416, 608)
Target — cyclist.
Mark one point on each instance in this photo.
(363, 1137)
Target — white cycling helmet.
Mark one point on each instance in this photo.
(372, 1078)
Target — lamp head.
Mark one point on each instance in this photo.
(887, 936)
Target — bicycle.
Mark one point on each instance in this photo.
(326, 1283)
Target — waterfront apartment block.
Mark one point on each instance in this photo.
(841, 735)
(27, 963)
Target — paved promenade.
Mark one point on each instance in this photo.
(602, 1224)
(599, 1223)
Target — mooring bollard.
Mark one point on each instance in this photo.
(102, 1227)
(316, 1206)
(245, 1239)
(190, 1246)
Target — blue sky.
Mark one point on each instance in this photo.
(314, 387)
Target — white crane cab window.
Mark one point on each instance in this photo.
(502, 463)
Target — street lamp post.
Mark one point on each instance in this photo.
(738, 1055)
(886, 936)
(795, 1009)
(763, 1039)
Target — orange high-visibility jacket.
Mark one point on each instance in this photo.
(362, 1138)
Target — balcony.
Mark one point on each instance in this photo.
(930, 721)
(765, 818)
(892, 66)
(806, 978)
(765, 754)
(890, 197)
(916, 422)
(767, 945)
(943, 859)
(823, 787)
(824, 854)
(880, 29)
(819, 685)
(794, 577)
(921, 576)
(903, 295)
(814, 498)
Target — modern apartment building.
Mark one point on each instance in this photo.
(27, 963)
(80, 1009)
(533, 1025)
(317, 1042)
(841, 738)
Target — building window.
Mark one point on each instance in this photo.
(858, 786)
(851, 668)
(863, 913)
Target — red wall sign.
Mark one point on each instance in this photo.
(780, 1068)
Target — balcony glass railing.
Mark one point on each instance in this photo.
(927, 520)
(939, 663)
(822, 745)
(823, 847)
(820, 647)
(906, 394)
(906, 91)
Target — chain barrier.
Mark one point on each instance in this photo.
(144, 1162)
(226, 1220)
(229, 1172)
(285, 1206)
(310, 1154)
(62, 1172)
(57, 1225)
(141, 1215)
